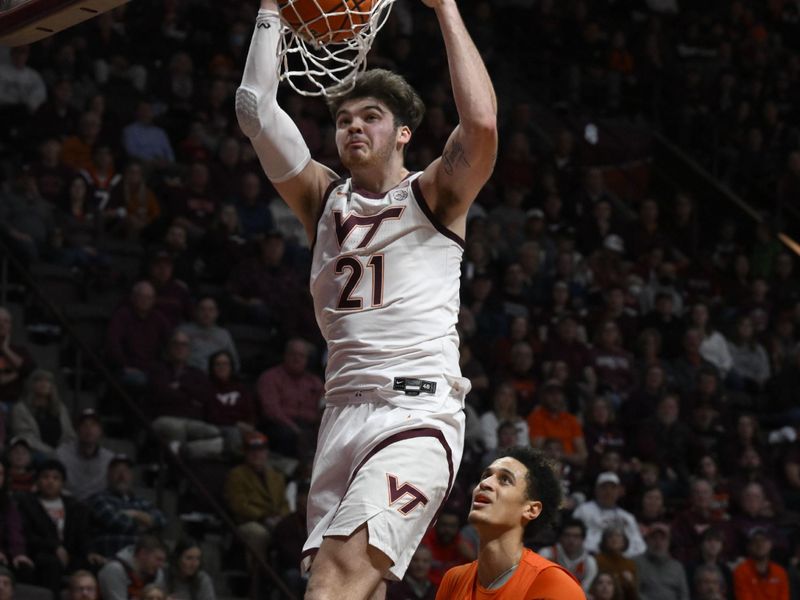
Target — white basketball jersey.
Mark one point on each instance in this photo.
(385, 282)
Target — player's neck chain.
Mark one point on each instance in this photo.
(501, 579)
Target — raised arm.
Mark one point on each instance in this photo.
(452, 181)
(280, 147)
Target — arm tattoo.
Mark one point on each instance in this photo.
(454, 156)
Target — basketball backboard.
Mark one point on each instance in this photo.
(27, 21)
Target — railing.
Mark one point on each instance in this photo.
(9, 263)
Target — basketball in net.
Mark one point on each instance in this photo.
(322, 22)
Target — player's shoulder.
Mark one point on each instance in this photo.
(552, 575)
(455, 579)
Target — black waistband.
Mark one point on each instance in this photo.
(411, 386)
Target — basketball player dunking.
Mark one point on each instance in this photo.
(387, 247)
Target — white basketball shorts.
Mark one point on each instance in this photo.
(385, 466)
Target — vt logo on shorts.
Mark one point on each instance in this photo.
(398, 492)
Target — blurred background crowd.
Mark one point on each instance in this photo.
(630, 299)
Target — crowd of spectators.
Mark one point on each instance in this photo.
(652, 352)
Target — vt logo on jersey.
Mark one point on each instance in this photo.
(399, 491)
(344, 227)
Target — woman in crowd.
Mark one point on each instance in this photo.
(504, 408)
(605, 587)
(40, 417)
(232, 408)
(611, 560)
(185, 577)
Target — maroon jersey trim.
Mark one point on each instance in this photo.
(325, 199)
(441, 228)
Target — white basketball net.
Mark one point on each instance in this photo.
(315, 65)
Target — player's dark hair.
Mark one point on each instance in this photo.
(391, 89)
(543, 484)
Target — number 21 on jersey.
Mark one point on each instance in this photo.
(355, 266)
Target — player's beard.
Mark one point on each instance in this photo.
(376, 157)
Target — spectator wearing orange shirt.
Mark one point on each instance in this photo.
(550, 420)
(515, 490)
(757, 577)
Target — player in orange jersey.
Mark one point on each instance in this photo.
(515, 490)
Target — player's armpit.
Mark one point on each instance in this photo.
(554, 584)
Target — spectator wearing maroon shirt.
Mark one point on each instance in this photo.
(663, 439)
(172, 300)
(690, 524)
(231, 408)
(264, 289)
(290, 399)
(566, 346)
(16, 363)
(136, 334)
(180, 398)
(194, 205)
(612, 364)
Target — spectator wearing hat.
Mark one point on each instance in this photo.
(85, 460)
(16, 363)
(661, 577)
(180, 398)
(56, 527)
(551, 420)
(20, 474)
(757, 576)
(255, 493)
(136, 335)
(12, 535)
(206, 337)
(121, 516)
(173, 299)
(290, 397)
(40, 417)
(604, 510)
(134, 567)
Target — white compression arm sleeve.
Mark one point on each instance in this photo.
(277, 140)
